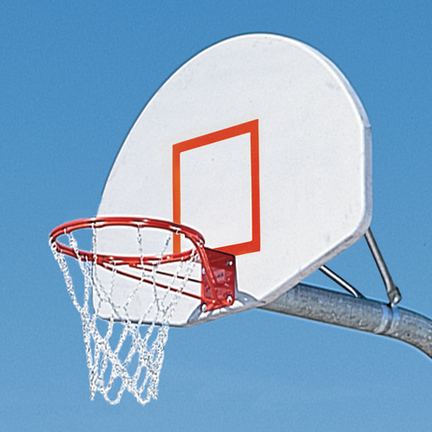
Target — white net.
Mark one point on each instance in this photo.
(124, 352)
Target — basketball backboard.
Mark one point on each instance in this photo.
(259, 143)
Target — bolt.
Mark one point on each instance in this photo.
(203, 307)
(229, 298)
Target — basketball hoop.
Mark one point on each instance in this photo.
(125, 335)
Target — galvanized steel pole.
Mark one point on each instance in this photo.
(331, 307)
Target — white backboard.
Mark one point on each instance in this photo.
(260, 143)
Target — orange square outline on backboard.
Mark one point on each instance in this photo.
(251, 127)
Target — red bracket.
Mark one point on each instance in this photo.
(218, 287)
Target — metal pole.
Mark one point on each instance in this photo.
(318, 304)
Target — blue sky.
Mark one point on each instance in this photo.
(73, 78)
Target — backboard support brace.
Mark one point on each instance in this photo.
(392, 290)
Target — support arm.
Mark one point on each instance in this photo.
(318, 304)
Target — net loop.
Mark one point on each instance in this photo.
(124, 352)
